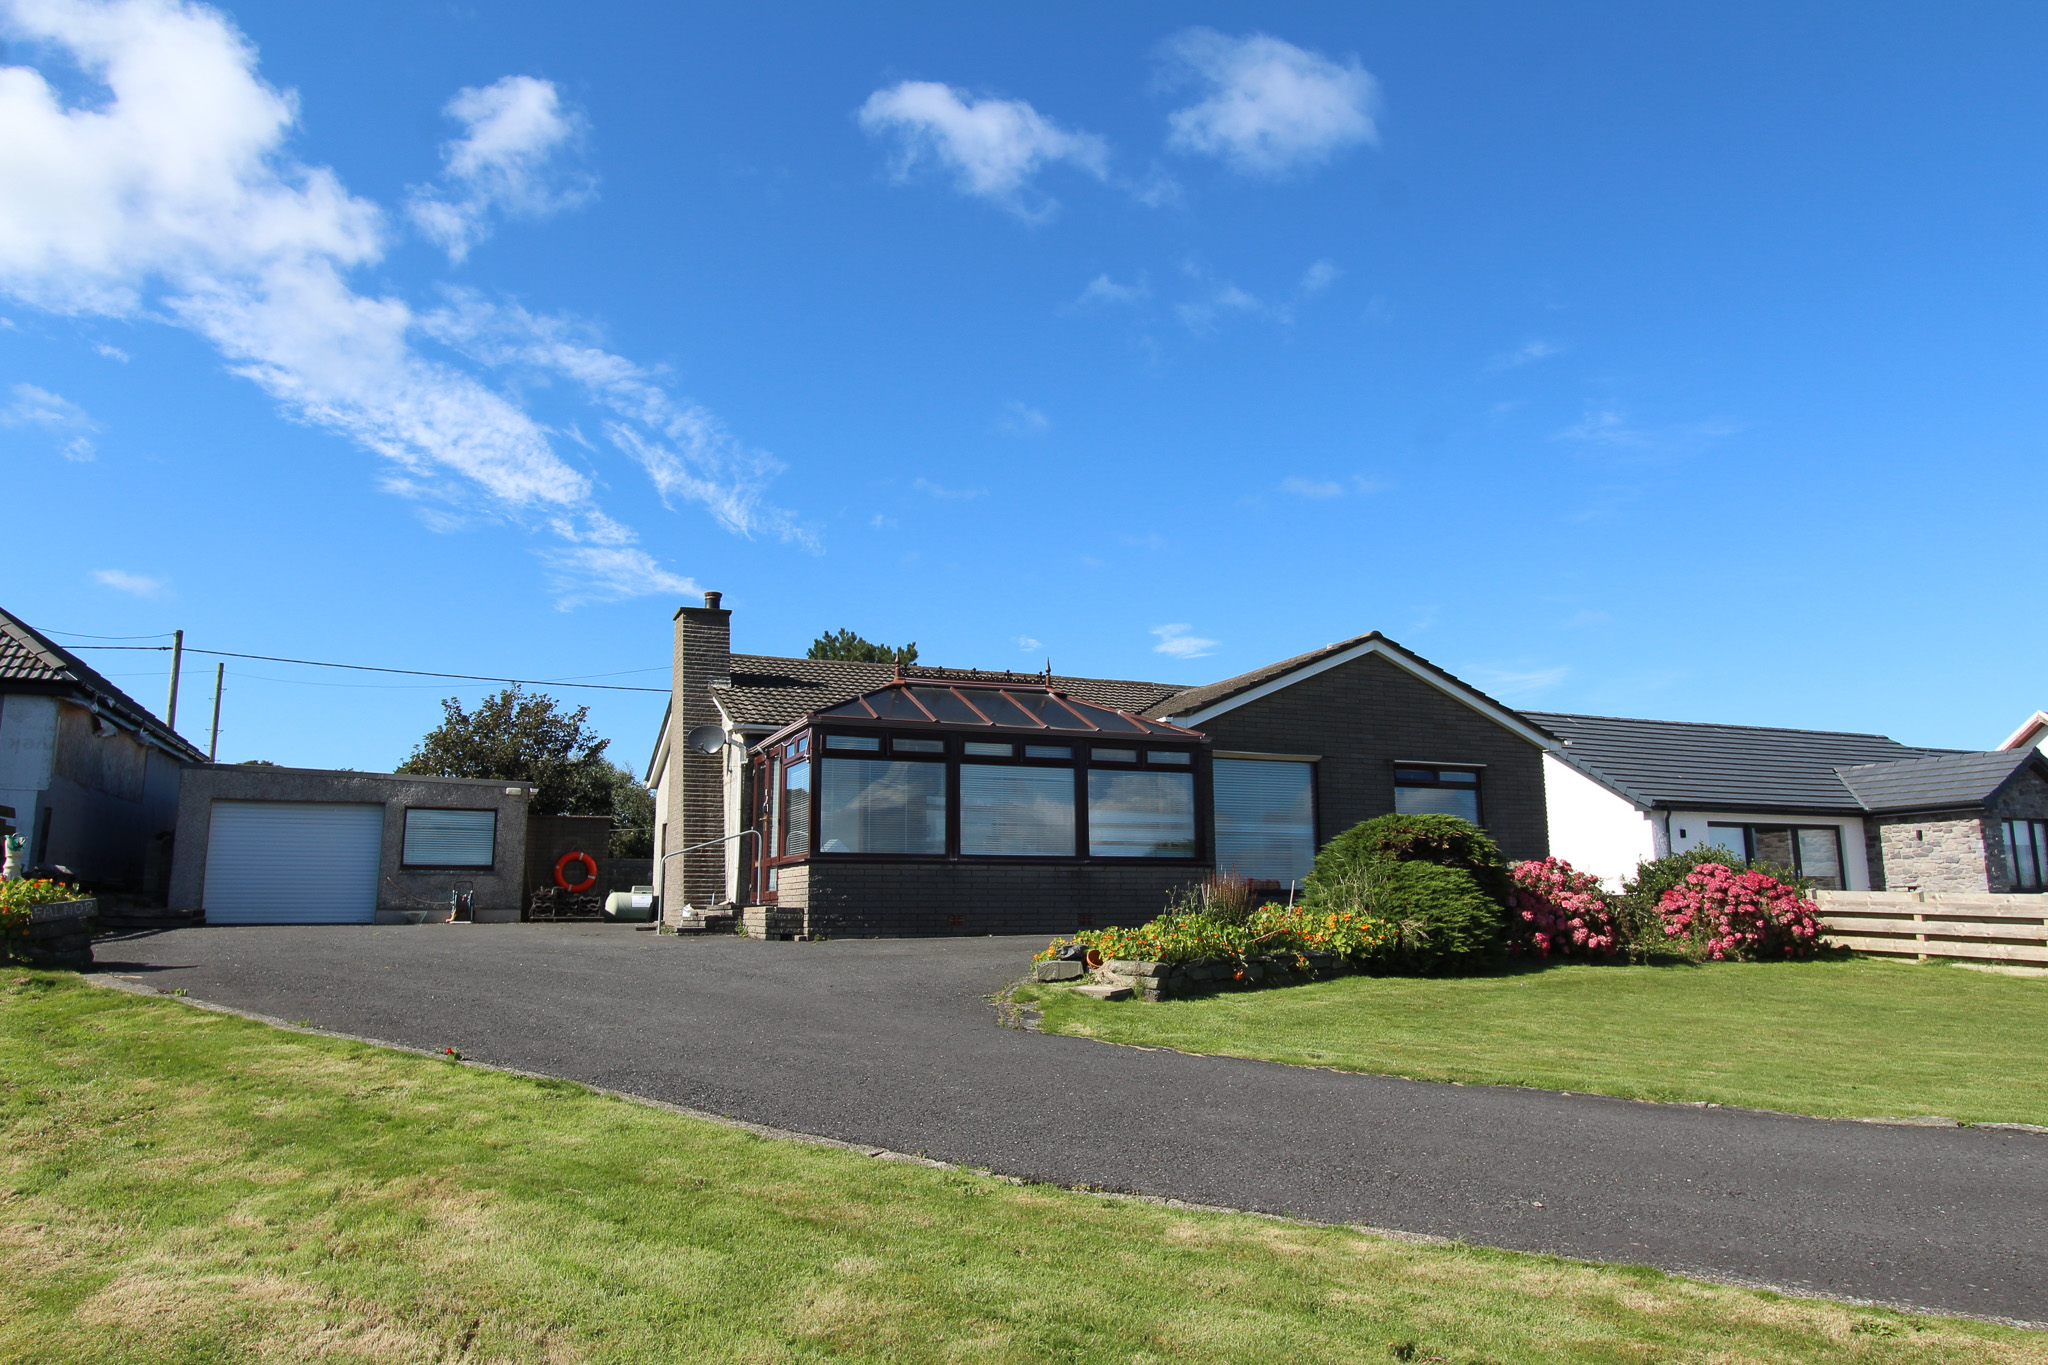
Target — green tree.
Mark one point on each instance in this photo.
(844, 644)
(520, 736)
(632, 815)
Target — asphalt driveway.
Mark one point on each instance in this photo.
(893, 1043)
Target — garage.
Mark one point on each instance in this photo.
(293, 862)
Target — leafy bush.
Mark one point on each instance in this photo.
(1719, 913)
(19, 899)
(1270, 929)
(1435, 880)
(1559, 911)
(1637, 917)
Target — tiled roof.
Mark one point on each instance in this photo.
(29, 658)
(1948, 780)
(1668, 763)
(772, 691)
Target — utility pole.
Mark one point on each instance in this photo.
(220, 675)
(177, 662)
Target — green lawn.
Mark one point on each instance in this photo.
(182, 1186)
(1861, 1038)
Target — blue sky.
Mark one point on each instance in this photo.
(1677, 361)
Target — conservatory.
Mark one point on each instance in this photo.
(936, 804)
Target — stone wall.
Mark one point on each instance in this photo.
(2025, 798)
(890, 900)
(1938, 851)
(1363, 715)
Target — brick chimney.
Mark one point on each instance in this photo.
(693, 799)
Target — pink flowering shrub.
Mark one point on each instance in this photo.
(1559, 912)
(1723, 914)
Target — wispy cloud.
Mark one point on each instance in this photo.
(1176, 641)
(174, 196)
(1268, 108)
(1528, 353)
(505, 162)
(1509, 684)
(1020, 419)
(1029, 645)
(992, 148)
(882, 523)
(1103, 289)
(950, 494)
(1223, 298)
(134, 584)
(1151, 540)
(1357, 485)
(54, 413)
(1609, 431)
(112, 352)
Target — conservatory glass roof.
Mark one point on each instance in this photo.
(1005, 706)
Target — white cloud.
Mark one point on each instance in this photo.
(1021, 419)
(600, 573)
(167, 191)
(992, 147)
(1508, 684)
(1201, 315)
(1609, 430)
(1330, 488)
(882, 523)
(134, 584)
(1175, 640)
(513, 131)
(54, 413)
(1317, 278)
(112, 352)
(1528, 353)
(1269, 107)
(1103, 289)
(949, 494)
(1029, 645)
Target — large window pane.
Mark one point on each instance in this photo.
(868, 806)
(1141, 815)
(1025, 812)
(796, 808)
(1820, 857)
(1461, 802)
(450, 838)
(1734, 838)
(1773, 844)
(1265, 819)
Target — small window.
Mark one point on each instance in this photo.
(982, 749)
(866, 743)
(1048, 751)
(1179, 757)
(450, 838)
(918, 746)
(2026, 849)
(796, 809)
(1437, 791)
(1114, 755)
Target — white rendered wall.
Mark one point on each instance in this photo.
(1594, 829)
(28, 755)
(1689, 830)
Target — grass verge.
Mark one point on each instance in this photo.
(1855, 1038)
(182, 1186)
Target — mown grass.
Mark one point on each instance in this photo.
(1860, 1038)
(181, 1186)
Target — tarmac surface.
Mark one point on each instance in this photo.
(894, 1043)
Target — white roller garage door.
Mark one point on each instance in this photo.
(292, 862)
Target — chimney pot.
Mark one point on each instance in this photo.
(711, 599)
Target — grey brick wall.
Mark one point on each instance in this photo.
(693, 795)
(1361, 716)
(2025, 799)
(889, 900)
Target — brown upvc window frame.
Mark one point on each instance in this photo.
(813, 745)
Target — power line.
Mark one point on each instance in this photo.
(373, 668)
(160, 635)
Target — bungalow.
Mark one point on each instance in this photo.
(1852, 812)
(89, 775)
(862, 799)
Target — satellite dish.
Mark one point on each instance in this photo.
(706, 739)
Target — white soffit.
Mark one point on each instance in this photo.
(1393, 655)
(2028, 733)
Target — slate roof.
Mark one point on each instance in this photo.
(1722, 767)
(31, 662)
(770, 691)
(1946, 781)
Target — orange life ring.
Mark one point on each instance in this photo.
(582, 886)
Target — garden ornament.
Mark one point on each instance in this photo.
(12, 870)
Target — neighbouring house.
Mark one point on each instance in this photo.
(862, 799)
(1852, 812)
(90, 775)
(260, 844)
(2032, 735)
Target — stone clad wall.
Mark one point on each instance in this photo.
(1937, 852)
(1362, 716)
